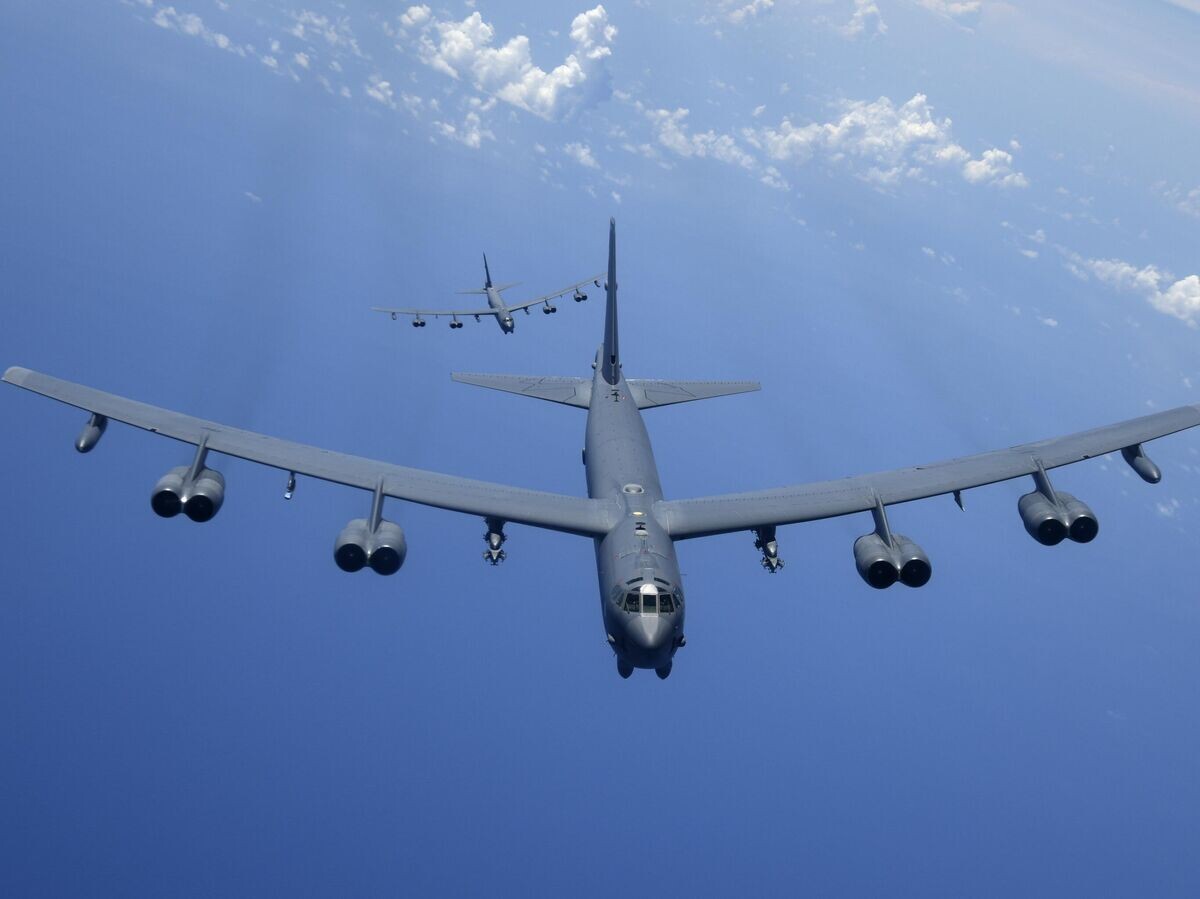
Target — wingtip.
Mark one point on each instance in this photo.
(16, 374)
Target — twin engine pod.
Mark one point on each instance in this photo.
(199, 498)
(881, 564)
(358, 546)
(1050, 522)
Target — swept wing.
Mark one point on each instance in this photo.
(558, 512)
(828, 499)
(556, 294)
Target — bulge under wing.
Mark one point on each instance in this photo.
(827, 499)
(571, 514)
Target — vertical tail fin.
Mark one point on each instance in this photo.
(486, 271)
(612, 355)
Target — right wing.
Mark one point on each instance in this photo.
(554, 295)
(557, 512)
(828, 499)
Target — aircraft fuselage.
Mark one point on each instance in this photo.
(641, 596)
(503, 317)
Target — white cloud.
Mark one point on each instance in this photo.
(952, 8)
(380, 90)
(582, 154)
(1180, 298)
(1048, 322)
(193, 26)
(300, 59)
(415, 15)
(1029, 254)
(994, 167)
(472, 132)
(866, 13)
(270, 62)
(463, 49)
(672, 132)
(336, 33)
(1187, 202)
(749, 11)
(1169, 509)
(251, 196)
(888, 143)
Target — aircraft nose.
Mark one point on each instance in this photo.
(648, 632)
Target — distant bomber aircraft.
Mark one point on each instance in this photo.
(633, 527)
(496, 306)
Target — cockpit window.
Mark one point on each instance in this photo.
(631, 602)
(649, 602)
(665, 604)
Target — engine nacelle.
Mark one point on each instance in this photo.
(875, 562)
(352, 546)
(1045, 522)
(1082, 524)
(199, 499)
(204, 496)
(388, 548)
(167, 497)
(915, 570)
(357, 547)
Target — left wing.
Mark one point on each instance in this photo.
(558, 293)
(435, 313)
(828, 499)
(557, 512)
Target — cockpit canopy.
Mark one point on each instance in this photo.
(650, 600)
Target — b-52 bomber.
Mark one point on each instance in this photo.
(633, 526)
(496, 308)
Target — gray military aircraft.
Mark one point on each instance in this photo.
(633, 526)
(496, 305)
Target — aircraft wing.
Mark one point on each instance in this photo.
(558, 293)
(828, 499)
(436, 313)
(558, 512)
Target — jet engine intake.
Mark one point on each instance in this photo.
(881, 565)
(199, 498)
(383, 550)
(915, 570)
(167, 497)
(1082, 524)
(875, 561)
(1045, 522)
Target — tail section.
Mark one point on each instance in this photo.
(611, 368)
(486, 272)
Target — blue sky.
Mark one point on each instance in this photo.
(930, 228)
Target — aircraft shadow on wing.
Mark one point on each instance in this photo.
(496, 308)
(634, 527)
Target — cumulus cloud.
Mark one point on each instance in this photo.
(671, 131)
(740, 14)
(310, 26)
(1186, 201)
(193, 26)
(415, 15)
(472, 132)
(865, 17)
(379, 90)
(952, 8)
(582, 154)
(464, 50)
(1180, 298)
(889, 143)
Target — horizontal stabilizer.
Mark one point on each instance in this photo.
(568, 391)
(578, 391)
(648, 394)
